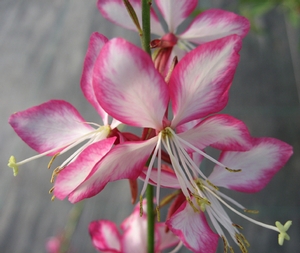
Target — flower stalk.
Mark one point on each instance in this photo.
(146, 5)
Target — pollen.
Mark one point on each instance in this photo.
(141, 206)
(13, 164)
(52, 159)
(158, 213)
(231, 170)
(251, 211)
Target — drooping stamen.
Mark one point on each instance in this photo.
(52, 159)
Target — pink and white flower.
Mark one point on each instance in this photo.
(55, 127)
(133, 239)
(258, 165)
(129, 88)
(207, 26)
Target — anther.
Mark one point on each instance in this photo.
(225, 244)
(141, 206)
(53, 197)
(237, 226)
(52, 159)
(251, 211)
(231, 170)
(212, 185)
(192, 204)
(51, 190)
(158, 213)
(54, 174)
(231, 249)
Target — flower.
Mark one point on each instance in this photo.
(189, 222)
(55, 127)
(129, 88)
(207, 26)
(106, 237)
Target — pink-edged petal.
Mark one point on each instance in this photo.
(134, 239)
(199, 83)
(258, 165)
(215, 24)
(97, 41)
(219, 131)
(115, 166)
(105, 236)
(54, 124)
(193, 230)
(128, 86)
(76, 172)
(168, 178)
(175, 11)
(115, 11)
(166, 239)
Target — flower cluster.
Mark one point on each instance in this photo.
(174, 98)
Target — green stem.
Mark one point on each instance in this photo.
(150, 218)
(71, 225)
(146, 5)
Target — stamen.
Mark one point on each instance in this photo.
(231, 249)
(225, 244)
(241, 243)
(141, 206)
(51, 190)
(53, 198)
(245, 240)
(158, 213)
(54, 174)
(192, 205)
(52, 159)
(231, 170)
(212, 185)
(237, 226)
(251, 211)
(202, 202)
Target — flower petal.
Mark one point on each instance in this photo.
(115, 166)
(105, 236)
(221, 132)
(258, 165)
(199, 83)
(175, 11)
(166, 239)
(70, 177)
(193, 230)
(115, 11)
(54, 124)
(134, 239)
(97, 41)
(168, 178)
(128, 86)
(215, 24)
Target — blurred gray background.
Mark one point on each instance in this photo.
(42, 47)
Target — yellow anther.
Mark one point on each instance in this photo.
(231, 170)
(54, 174)
(13, 164)
(212, 185)
(51, 190)
(141, 206)
(241, 240)
(283, 231)
(158, 213)
(192, 204)
(237, 226)
(199, 184)
(225, 244)
(53, 197)
(231, 249)
(251, 211)
(52, 159)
